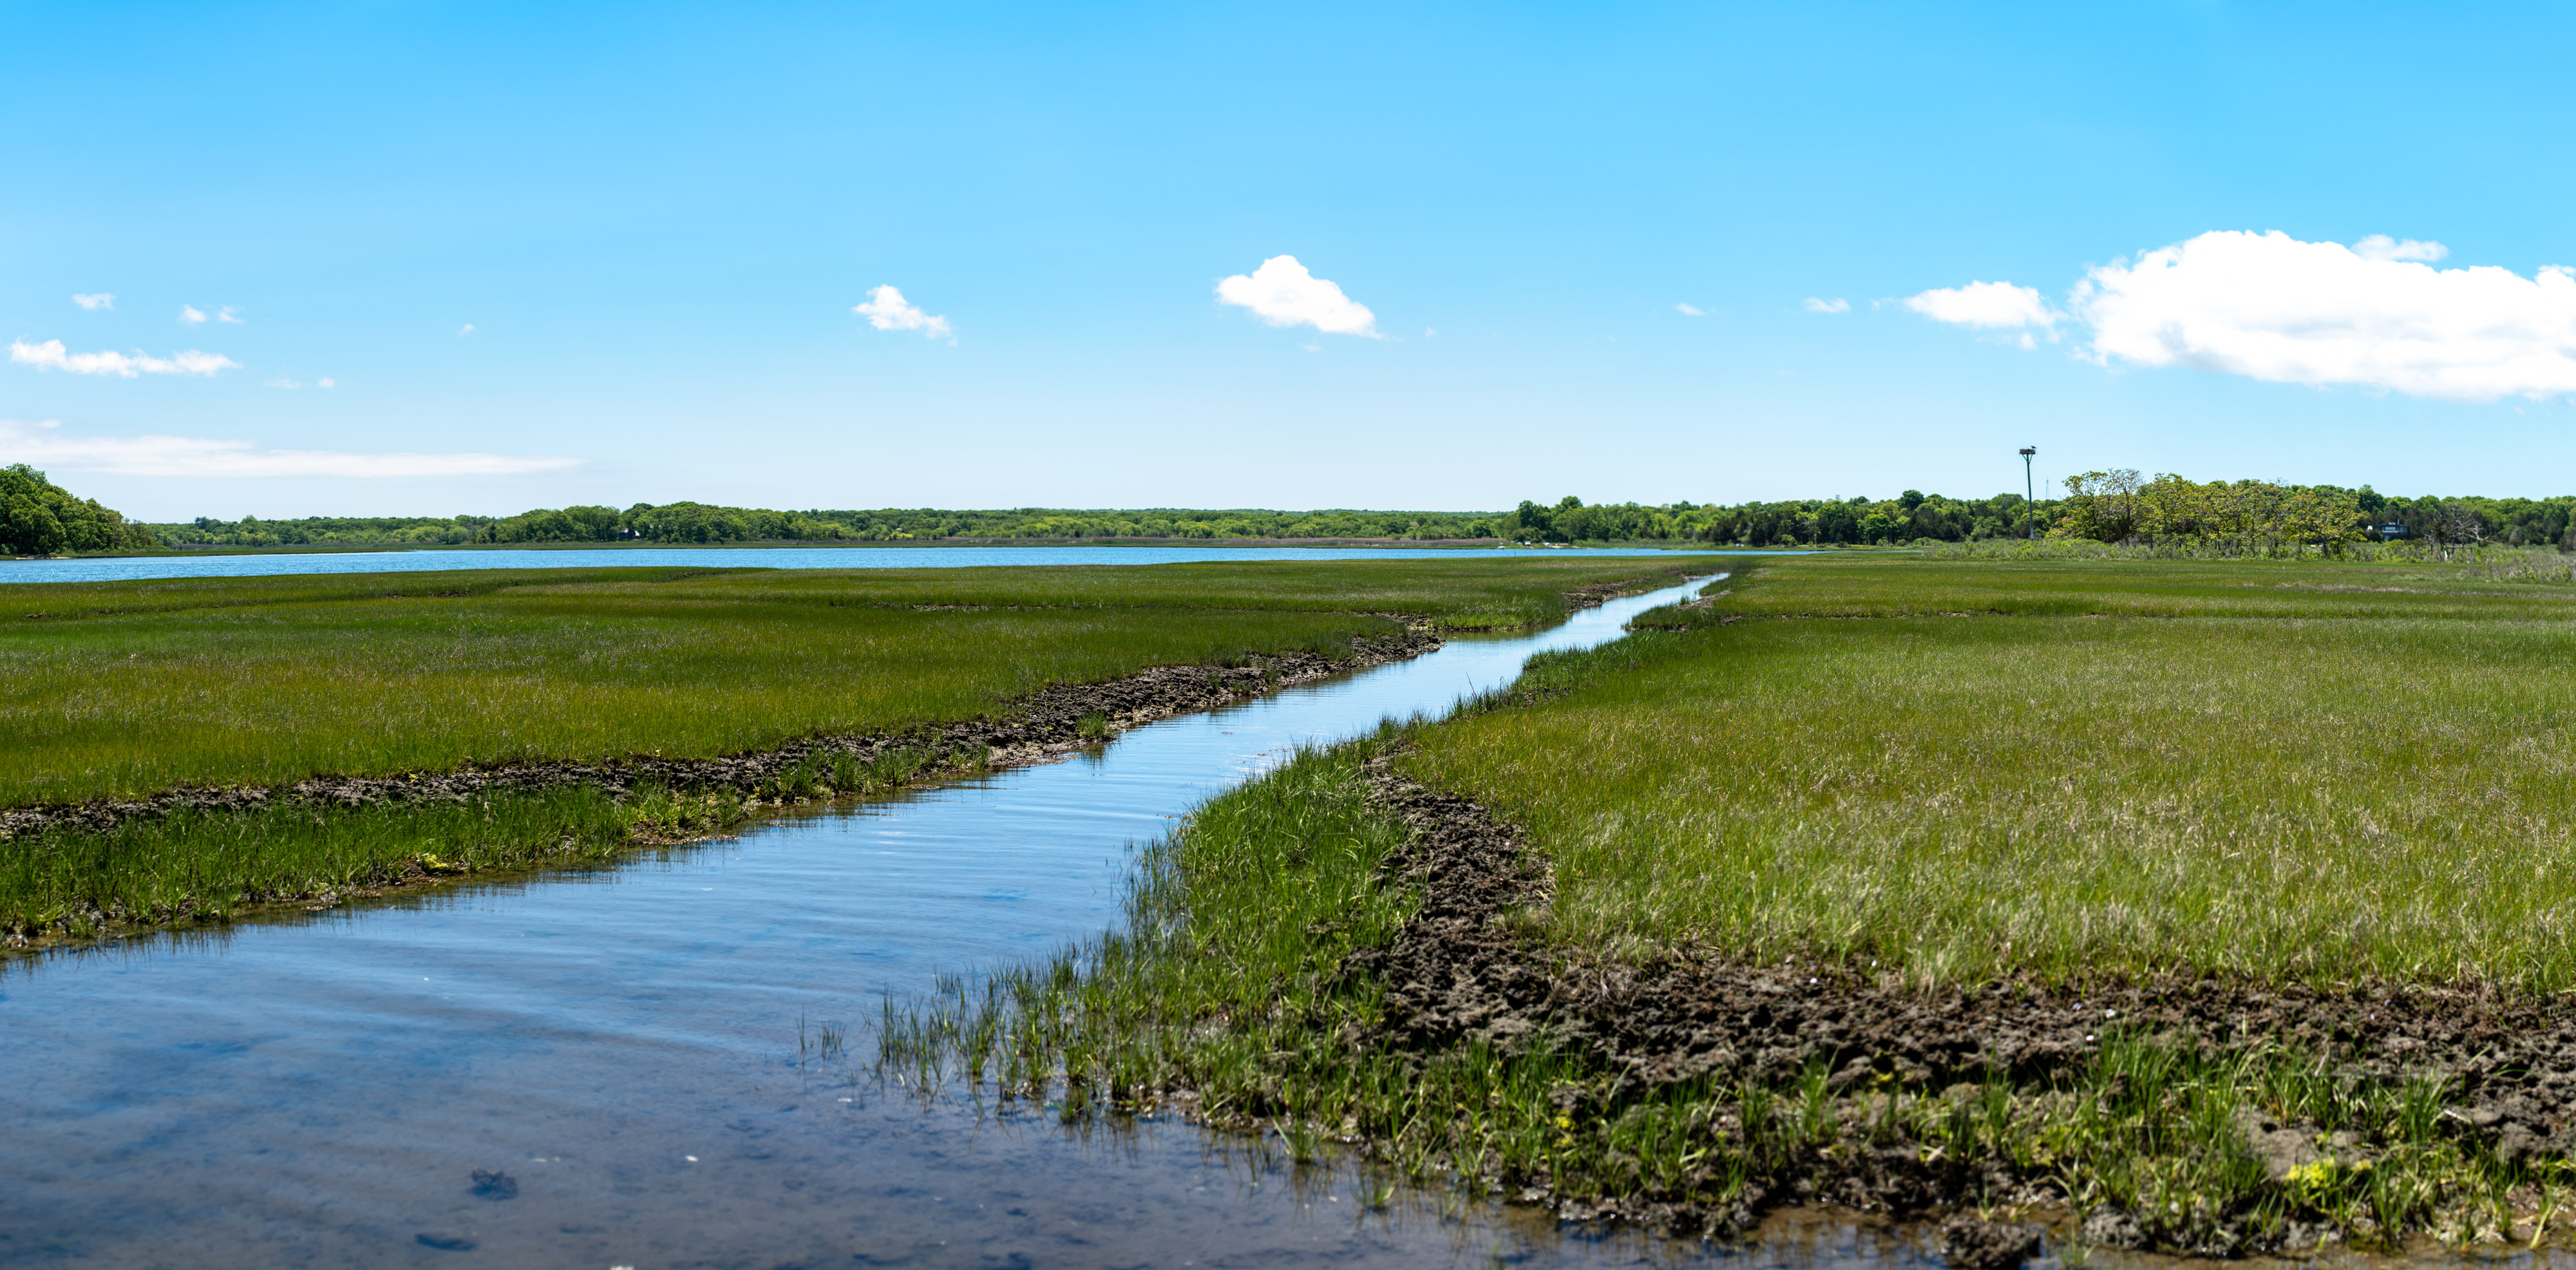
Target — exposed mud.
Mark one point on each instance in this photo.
(1469, 965)
(1034, 729)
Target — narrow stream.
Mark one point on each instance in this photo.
(623, 1047)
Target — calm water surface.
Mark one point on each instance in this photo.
(111, 570)
(624, 1046)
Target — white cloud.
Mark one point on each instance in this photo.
(887, 311)
(1986, 304)
(39, 443)
(465, 330)
(191, 315)
(51, 356)
(1835, 305)
(2267, 306)
(229, 314)
(291, 384)
(2270, 307)
(100, 300)
(1687, 311)
(2382, 247)
(1282, 293)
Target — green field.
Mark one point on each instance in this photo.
(2307, 771)
(123, 689)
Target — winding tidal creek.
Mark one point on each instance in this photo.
(665, 1063)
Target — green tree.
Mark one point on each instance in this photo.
(40, 518)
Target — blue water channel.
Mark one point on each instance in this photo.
(111, 569)
(623, 1046)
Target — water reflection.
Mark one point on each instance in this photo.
(620, 1067)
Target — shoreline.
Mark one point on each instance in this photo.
(1039, 728)
(824, 544)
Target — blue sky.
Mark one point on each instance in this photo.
(658, 223)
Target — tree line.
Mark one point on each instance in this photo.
(2117, 505)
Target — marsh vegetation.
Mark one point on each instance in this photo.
(2209, 907)
(601, 708)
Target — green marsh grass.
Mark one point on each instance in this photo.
(2230, 770)
(2080, 771)
(124, 689)
(1231, 981)
(207, 865)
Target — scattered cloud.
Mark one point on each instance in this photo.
(291, 384)
(1835, 305)
(1429, 334)
(2270, 307)
(1989, 305)
(191, 315)
(1282, 293)
(94, 302)
(886, 310)
(50, 355)
(1688, 311)
(229, 314)
(41, 443)
(465, 330)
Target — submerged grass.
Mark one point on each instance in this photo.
(124, 689)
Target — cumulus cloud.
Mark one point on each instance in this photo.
(230, 315)
(2271, 307)
(1687, 311)
(50, 355)
(886, 310)
(1835, 305)
(1989, 305)
(465, 330)
(191, 315)
(41, 443)
(100, 300)
(1282, 293)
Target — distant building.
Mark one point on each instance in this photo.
(2389, 531)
